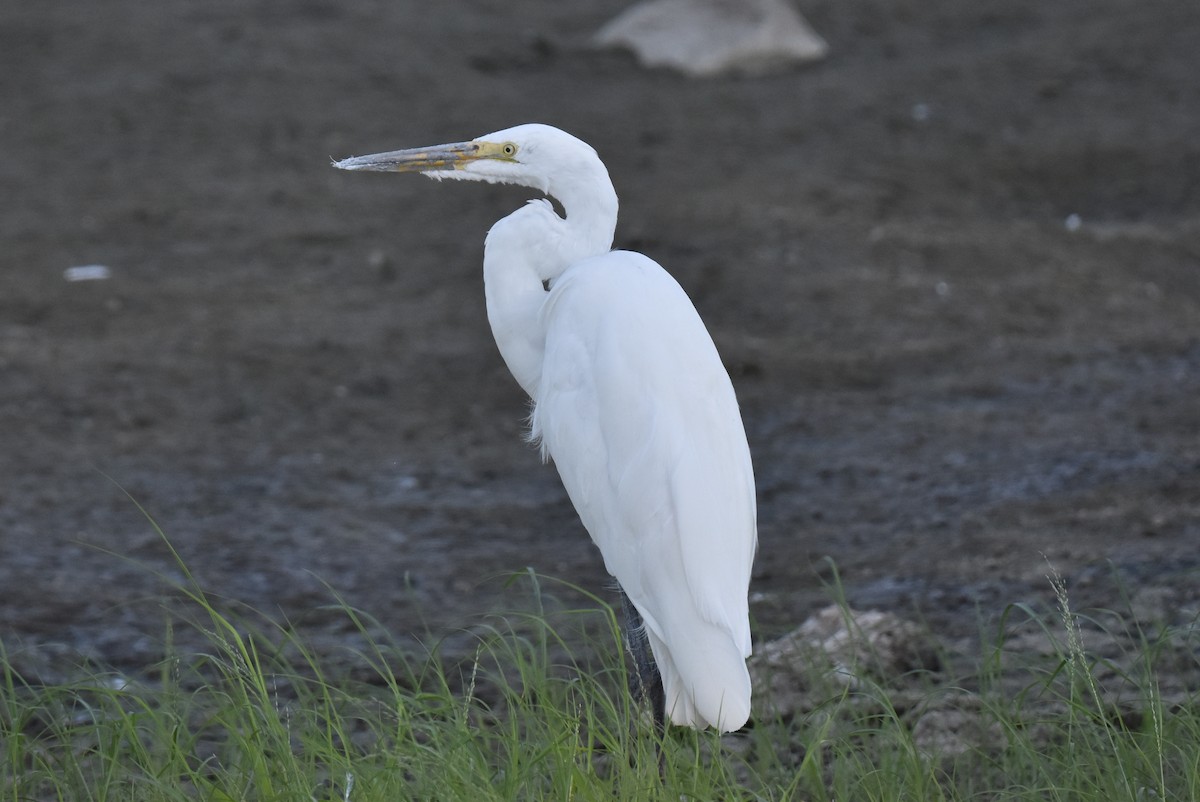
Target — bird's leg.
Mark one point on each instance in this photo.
(645, 682)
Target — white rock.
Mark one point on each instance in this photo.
(703, 38)
(839, 646)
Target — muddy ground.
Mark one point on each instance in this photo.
(954, 271)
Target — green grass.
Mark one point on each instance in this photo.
(540, 712)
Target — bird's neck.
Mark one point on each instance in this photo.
(591, 218)
(530, 248)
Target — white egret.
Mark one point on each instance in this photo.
(631, 402)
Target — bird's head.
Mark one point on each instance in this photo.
(532, 155)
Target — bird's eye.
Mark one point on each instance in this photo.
(509, 149)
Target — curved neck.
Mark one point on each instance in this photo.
(534, 245)
(590, 204)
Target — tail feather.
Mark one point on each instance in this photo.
(705, 680)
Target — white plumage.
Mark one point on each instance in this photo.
(631, 402)
(640, 418)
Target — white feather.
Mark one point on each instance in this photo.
(631, 402)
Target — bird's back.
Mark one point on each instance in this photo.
(640, 417)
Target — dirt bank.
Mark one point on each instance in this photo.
(953, 271)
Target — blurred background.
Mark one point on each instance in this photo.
(953, 269)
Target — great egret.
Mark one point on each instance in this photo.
(631, 402)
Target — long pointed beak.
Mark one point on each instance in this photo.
(418, 160)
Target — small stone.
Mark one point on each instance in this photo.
(957, 726)
(87, 273)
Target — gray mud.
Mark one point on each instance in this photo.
(947, 388)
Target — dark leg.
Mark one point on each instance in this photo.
(645, 682)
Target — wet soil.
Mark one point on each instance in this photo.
(954, 271)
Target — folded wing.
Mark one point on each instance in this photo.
(640, 417)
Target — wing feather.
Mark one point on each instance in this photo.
(640, 417)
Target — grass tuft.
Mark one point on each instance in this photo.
(539, 710)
